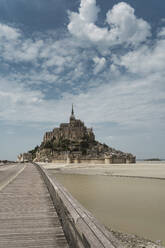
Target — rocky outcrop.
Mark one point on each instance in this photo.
(73, 142)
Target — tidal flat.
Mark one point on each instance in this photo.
(129, 201)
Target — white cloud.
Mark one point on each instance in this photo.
(8, 33)
(99, 64)
(114, 70)
(163, 19)
(124, 26)
(17, 100)
(82, 24)
(128, 102)
(15, 48)
(84, 30)
(88, 10)
(49, 57)
(144, 60)
(29, 50)
(161, 34)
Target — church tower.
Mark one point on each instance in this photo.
(72, 117)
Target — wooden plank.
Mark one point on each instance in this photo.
(27, 215)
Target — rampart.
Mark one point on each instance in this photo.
(95, 161)
(80, 226)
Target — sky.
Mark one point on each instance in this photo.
(107, 57)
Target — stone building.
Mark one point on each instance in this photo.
(25, 157)
(73, 142)
(75, 130)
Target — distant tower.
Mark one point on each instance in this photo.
(72, 110)
(72, 117)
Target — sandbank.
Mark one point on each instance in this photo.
(140, 169)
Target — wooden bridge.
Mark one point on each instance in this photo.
(27, 215)
(29, 202)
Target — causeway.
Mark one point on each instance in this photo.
(27, 215)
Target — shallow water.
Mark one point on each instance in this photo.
(124, 204)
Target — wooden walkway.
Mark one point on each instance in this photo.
(27, 215)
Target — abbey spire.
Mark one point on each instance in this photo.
(72, 117)
(72, 110)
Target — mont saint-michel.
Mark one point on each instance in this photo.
(73, 142)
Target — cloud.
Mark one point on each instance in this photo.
(99, 64)
(128, 102)
(8, 33)
(124, 26)
(118, 85)
(145, 60)
(18, 101)
(50, 57)
(15, 48)
(161, 34)
(88, 11)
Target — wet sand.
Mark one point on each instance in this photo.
(140, 169)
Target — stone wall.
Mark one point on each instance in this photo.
(59, 161)
(24, 157)
(94, 161)
(131, 160)
(115, 160)
(80, 226)
(75, 130)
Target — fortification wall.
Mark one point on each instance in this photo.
(59, 161)
(115, 160)
(92, 161)
(131, 160)
(95, 161)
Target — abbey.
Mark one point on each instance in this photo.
(73, 142)
(75, 130)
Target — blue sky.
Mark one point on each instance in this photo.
(106, 57)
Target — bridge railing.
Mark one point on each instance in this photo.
(81, 228)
